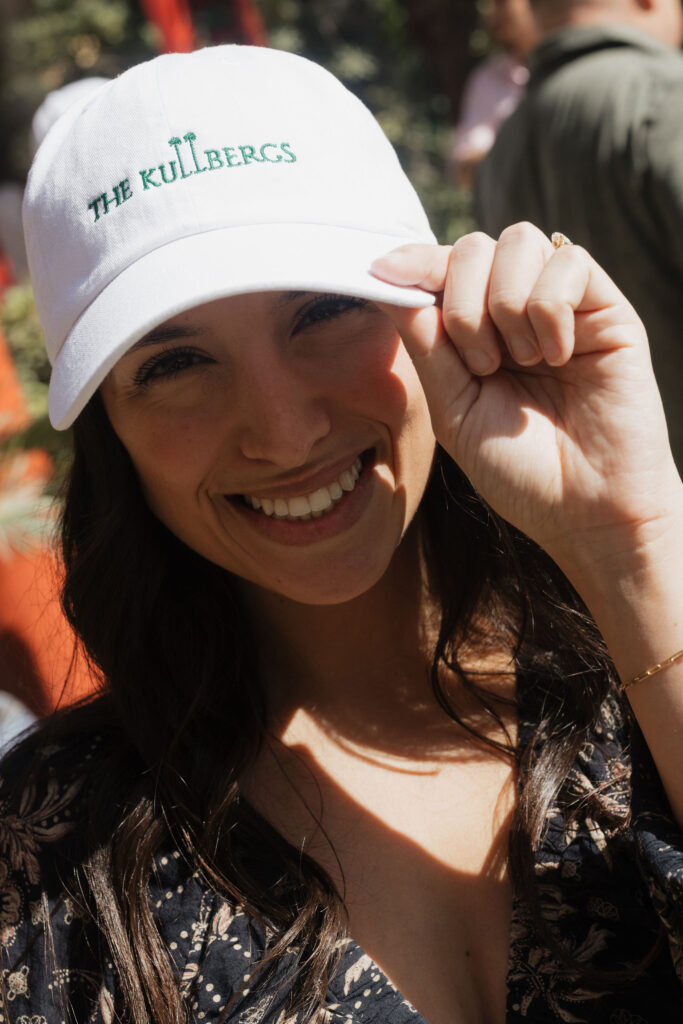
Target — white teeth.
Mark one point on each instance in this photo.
(320, 499)
(300, 506)
(309, 506)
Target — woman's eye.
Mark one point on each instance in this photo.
(327, 307)
(167, 365)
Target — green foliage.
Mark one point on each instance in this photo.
(27, 512)
(23, 333)
(59, 30)
(24, 336)
(56, 42)
(368, 46)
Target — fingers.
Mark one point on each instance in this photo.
(466, 315)
(461, 272)
(436, 359)
(521, 255)
(518, 295)
(449, 386)
(572, 283)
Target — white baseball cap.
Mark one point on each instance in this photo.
(197, 176)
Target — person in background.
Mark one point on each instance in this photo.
(495, 87)
(11, 194)
(596, 145)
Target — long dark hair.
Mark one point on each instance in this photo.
(172, 647)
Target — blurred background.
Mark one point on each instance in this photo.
(409, 60)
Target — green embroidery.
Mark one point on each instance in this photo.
(122, 192)
(162, 171)
(93, 206)
(270, 145)
(191, 137)
(268, 152)
(214, 158)
(147, 178)
(249, 154)
(177, 143)
(229, 151)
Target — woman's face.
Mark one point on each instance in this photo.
(282, 435)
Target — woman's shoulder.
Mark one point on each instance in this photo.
(51, 950)
(41, 779)
(41, 786)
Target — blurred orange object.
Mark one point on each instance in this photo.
(36, 642)
(252, 28)
(6, 274)
(174, 21)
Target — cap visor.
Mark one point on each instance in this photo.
(212, 265)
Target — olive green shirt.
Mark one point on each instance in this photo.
(595, 150)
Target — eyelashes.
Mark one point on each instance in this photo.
(174, 361)
(327, 307)
(168, 364)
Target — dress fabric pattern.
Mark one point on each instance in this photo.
(610, 884)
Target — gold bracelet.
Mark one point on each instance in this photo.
(651, 671)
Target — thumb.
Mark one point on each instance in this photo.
(449, 387)
(443, 374)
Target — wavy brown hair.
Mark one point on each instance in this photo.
(180, 698)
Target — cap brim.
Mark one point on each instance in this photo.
(212, 265)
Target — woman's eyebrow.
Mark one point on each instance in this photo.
(286, 298)
(159, 335)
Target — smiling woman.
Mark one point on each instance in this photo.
(290, 444)
(365, 539)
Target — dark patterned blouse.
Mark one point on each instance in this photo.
(614, 895)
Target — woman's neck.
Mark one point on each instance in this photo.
(360, 671)
(347, 663)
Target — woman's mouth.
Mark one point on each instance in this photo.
(314, 505)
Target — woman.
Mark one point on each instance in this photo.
(359, 750)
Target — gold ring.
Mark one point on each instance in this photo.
(558, 240)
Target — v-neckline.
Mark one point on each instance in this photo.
(360, 978)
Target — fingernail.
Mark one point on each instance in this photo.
(478, 361)
(391, 263)
(552, 353)
(523, 351)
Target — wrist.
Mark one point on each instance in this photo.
(634, 591)
(620, 558)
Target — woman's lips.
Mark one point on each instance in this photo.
(341, 513)
(312, 505)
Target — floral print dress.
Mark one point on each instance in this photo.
(613, 895)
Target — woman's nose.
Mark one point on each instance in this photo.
(281, 414)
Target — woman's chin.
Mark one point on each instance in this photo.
(327, 587)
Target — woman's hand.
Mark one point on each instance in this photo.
(539, 382)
